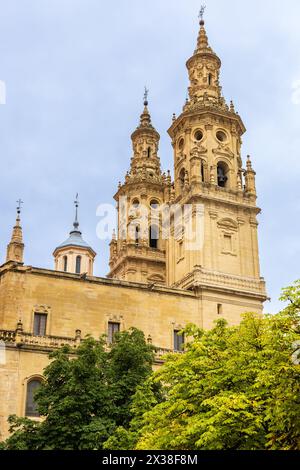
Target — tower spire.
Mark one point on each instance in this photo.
(145, 119)
(15, 248)
(76, 223)
(202, 41)
(75, 255)
(145, 141)
(204, 72)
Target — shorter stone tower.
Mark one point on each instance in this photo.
(137, 253)
(15, 249)
(75, 255)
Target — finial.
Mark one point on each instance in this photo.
(249, 163)
(146, 93)
(201, 14)
(174, 117)
(76, 202)
(19, 207)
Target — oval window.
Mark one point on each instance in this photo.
(198, 135)
(221, 136)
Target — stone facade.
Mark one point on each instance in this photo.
(156, 283)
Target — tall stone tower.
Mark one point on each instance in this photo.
(209, 176)
(211, 247)
(138, 252)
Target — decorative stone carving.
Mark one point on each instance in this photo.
(228, 224)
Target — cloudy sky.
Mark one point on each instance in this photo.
(75, 71)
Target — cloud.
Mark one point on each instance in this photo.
(75, 71)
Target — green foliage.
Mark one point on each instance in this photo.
(234, 388)
(86, 394)
(147, 396)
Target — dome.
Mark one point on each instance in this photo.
(75, 239)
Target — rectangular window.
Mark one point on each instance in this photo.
(178, 340)
(228, 243)
(220, 309)
(39, 325)
(113, 328)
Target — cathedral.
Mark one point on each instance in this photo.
(185, 250)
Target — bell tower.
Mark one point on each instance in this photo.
(223, 266)
(137, 252)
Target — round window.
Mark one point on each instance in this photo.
(198, 135)
(221, 136)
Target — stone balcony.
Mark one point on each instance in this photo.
(212, 191)
(204, 278)
(20, 339)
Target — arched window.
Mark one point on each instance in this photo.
(154, 204)
(65, 263)
(137, 234)
(149, 152)
(135, 203)
(153, 236)
(31, 406)
(78, 264)
(222, 175)
(182, 177)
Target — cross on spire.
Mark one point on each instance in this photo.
(76, 202)
(146, 93)
(19, 206)
(201, 13)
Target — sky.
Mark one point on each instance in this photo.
(75, 71)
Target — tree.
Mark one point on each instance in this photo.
(234, 388)
(86, 394)
(146, 397)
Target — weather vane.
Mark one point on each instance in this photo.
(146, 95)
(19, 206)
(201, 13)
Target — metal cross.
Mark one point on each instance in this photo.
(76, 202)
(19, 206)
(202, 10)
(146, 95)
